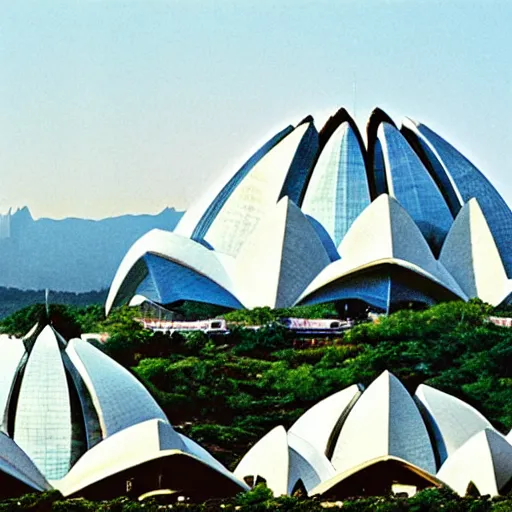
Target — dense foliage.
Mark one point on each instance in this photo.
(260, 499)
(226, 391)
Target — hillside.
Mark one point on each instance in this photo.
(226, 392)
(12, 299)
(73, 255)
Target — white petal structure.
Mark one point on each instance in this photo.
(410, 183)
(451, 420)
(377, 476)
(459, 178)
(199, 452)
(320, 425)
(86, 426)
(338, 190)
(383, 211)
(283, 254)
(18, 474)
(152, 462)
(197, 220)
(470, 254)
(269, 460)
(384, 422)
(485, 461)
(383, 235)
(382, 441)
(43, 414)
(12, 353)
(260, 190)
(307, 465)
(145, 441)
(120, 400)
(177, 267)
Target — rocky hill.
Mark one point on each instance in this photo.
(74, 255)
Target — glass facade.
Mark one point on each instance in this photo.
(470, 182)
(214, 208)
(437, 170)
(411, 184)
(379, 170)
(338, 190)
(43, 415)
(382, 287)
(301, 165)
(174, 282)
(16, 463)
(121, 400)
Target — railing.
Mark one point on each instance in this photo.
(501, 321)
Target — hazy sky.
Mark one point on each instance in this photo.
(109, 107)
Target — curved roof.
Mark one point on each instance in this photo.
(199, 452)
(338, 189)
(198, 218)
(279, 259)
(320, 425)
(166, 245)
(120, 400)
(43, 414)
(470, 182)
(259, 191)
(150, 440)
(411, 184)
(12, 351)
(392, 204)
(378, 474)
(384, 284)
(384, 422)
(470, 254)
(217, 204)
(484, 460)
(268, 459)
(384, 233)
(15, 462)
(451, 420)
(307, 464)
(146, 441)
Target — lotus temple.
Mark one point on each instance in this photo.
(378, 440)
(72, 419)
(385, 218)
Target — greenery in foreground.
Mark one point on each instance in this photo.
(226, 392)
(260, 499)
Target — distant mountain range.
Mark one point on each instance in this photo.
(73, 255)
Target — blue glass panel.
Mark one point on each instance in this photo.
(338, 190)
(382, 287)
(472, 183)
(43, 414)
(415, 189)
(149, 289)
(373, 290)
(379, 170)
(213, 209)
(301, 165)
(440, 176)
(121, 399)
(174, 282)
(352, 185)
